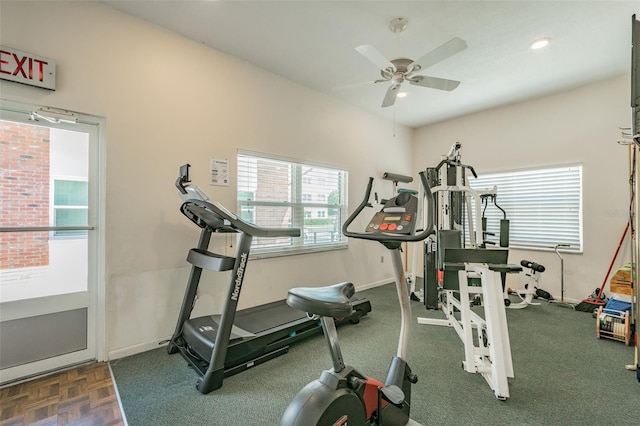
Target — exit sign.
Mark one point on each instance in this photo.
(27, 68)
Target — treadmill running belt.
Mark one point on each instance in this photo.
(264, 317)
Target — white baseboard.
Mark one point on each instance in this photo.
(137, 349)
(374, 284)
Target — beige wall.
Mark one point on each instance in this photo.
(578, 126)
(169, 101)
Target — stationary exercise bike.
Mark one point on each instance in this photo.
(530, 289)
(343, 396)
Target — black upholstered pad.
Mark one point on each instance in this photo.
(331, 301)
(508, 268)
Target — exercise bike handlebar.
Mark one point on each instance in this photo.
(386, 237)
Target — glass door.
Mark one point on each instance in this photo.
(49, 244)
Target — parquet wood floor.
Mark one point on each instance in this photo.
(81, 396)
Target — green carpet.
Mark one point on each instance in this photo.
(564, 375)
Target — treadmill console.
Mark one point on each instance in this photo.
(398, 216)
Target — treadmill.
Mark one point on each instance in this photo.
(218, 346)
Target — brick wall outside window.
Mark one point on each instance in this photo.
(273, 185)
(24, 194)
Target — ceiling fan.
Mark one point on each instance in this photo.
(399, 70)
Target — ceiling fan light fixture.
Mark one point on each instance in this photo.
(539, 43)
(401, 95)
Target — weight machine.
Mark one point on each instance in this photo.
(474, 273)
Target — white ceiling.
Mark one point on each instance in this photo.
(313, 43)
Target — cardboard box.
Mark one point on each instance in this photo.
(621, 283)
(623, 273)
(621, 287)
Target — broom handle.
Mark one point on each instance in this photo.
(604, 282)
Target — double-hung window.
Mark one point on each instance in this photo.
(278, 192)
(543, 205)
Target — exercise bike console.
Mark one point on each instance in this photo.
(396, 221)
(397, 217)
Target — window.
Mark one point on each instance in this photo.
(279, 193)
(544, 206)
(246, 212)
(70, 205)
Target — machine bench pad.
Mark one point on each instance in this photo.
(508, 268)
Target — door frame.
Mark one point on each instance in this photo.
(97, 314)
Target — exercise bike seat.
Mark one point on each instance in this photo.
(330, 301)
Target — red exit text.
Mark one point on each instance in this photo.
(26, 68)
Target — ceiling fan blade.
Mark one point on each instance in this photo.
(372, 54)
(434, 82)
(390, 96)
(441, 53)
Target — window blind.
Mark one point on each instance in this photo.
(278, 192)
(544, 206)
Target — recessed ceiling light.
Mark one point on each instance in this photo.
(401, 94)
(539, 43)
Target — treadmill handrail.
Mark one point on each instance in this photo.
(239, 224)
(385, 237)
